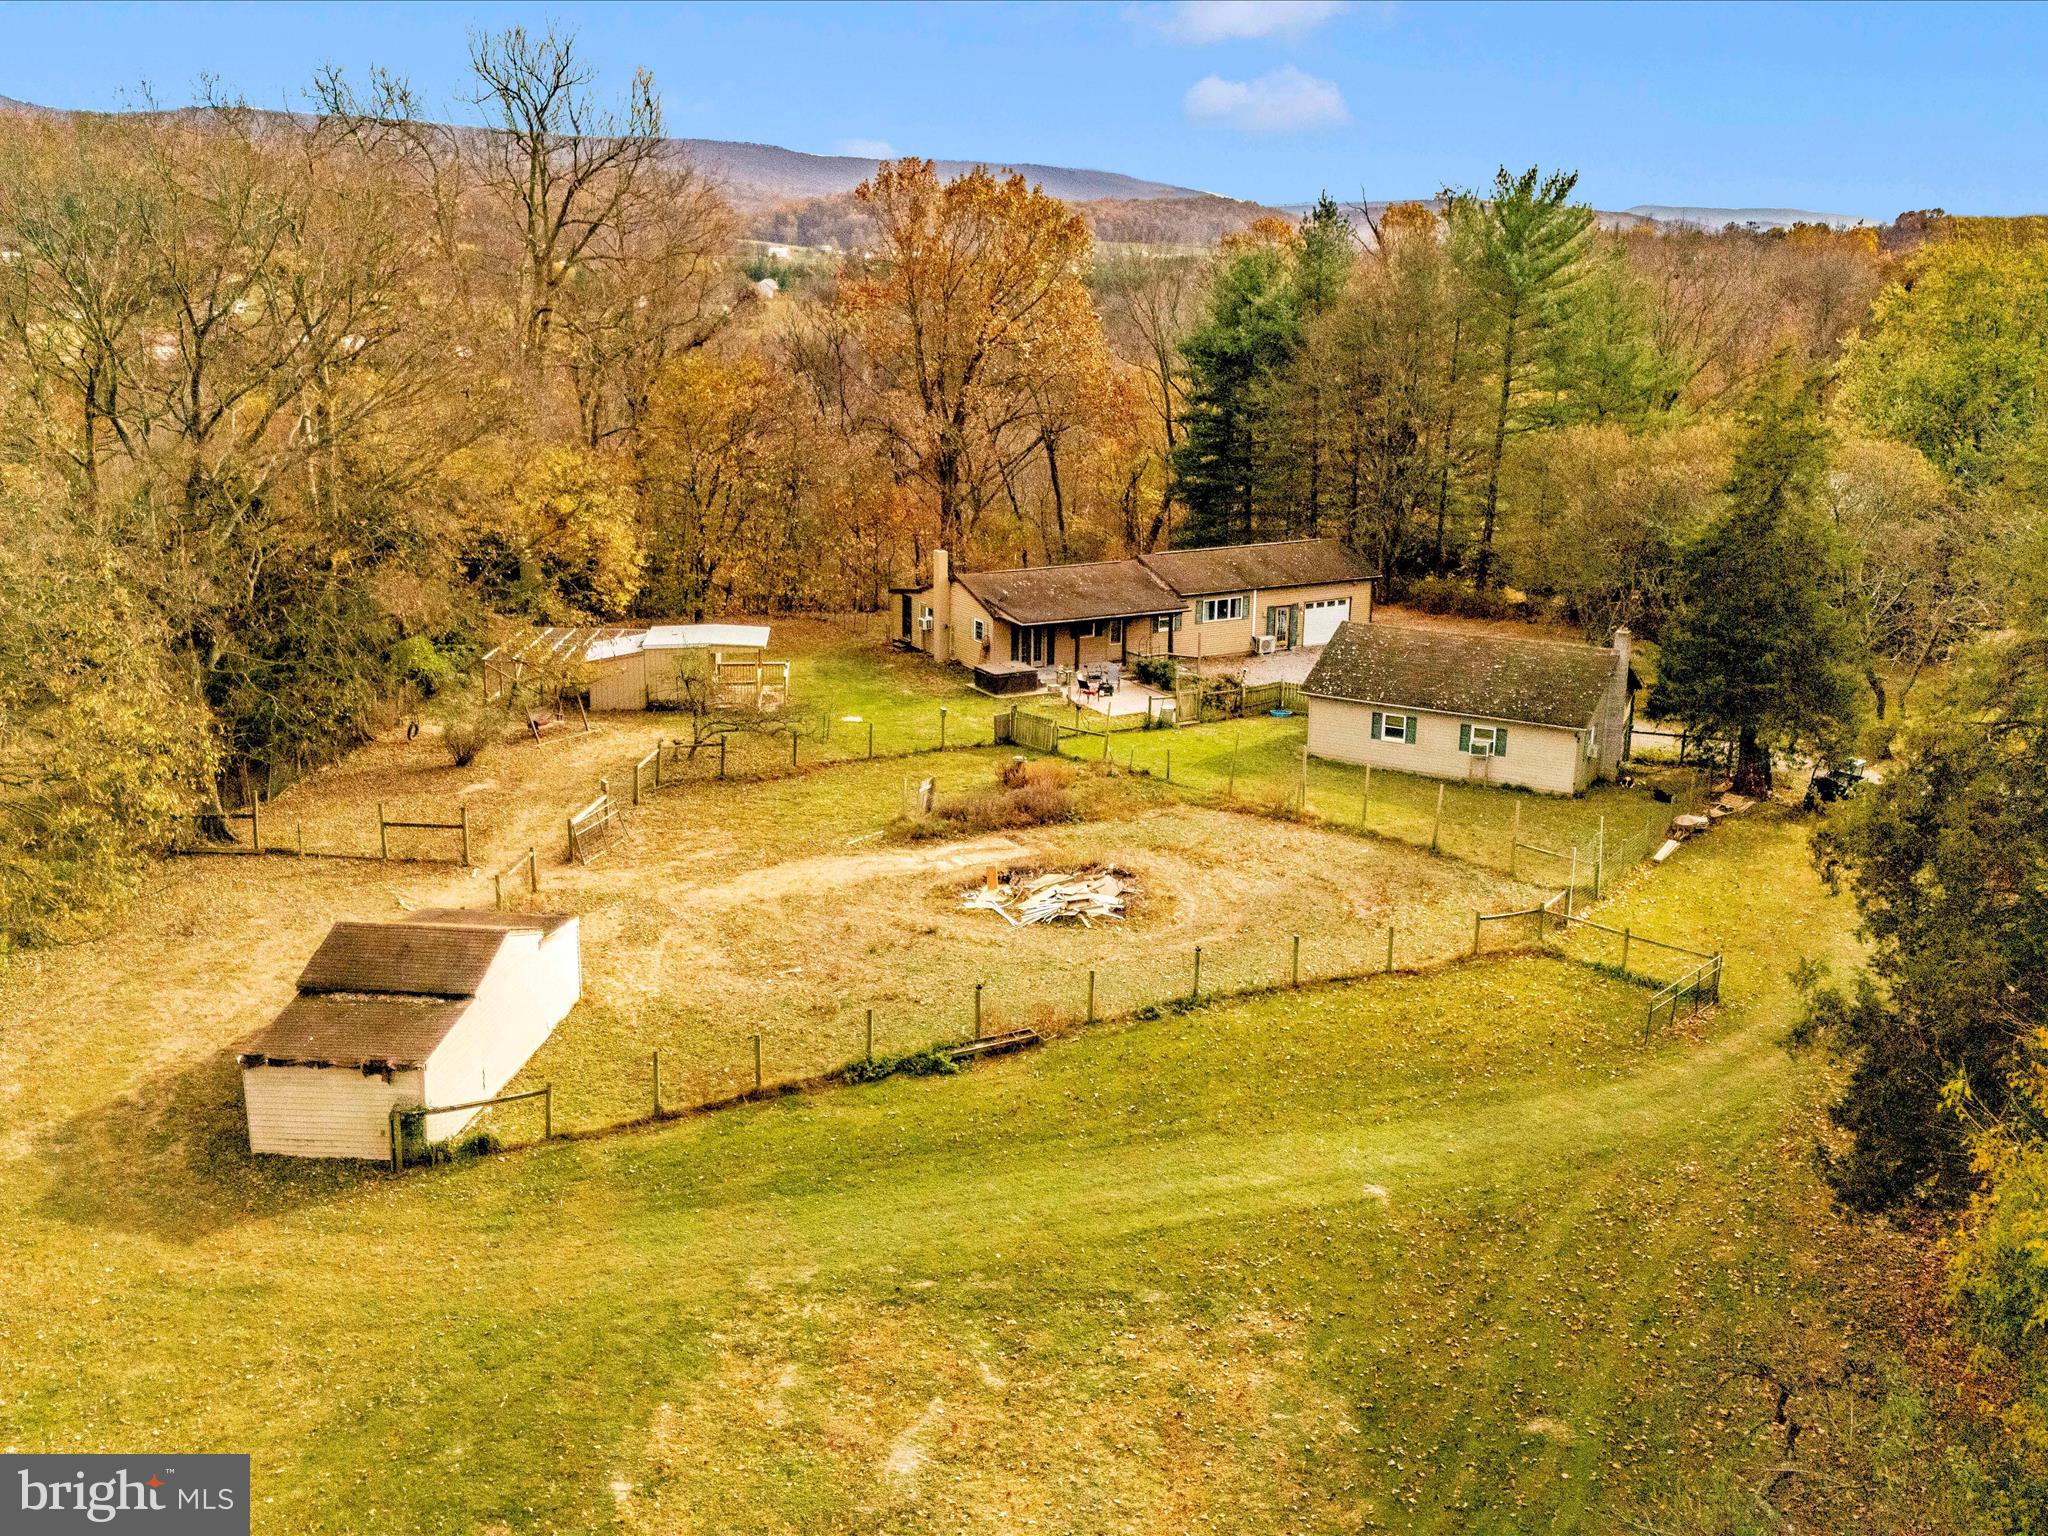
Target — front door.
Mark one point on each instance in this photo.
(907, 634)
(1283, 624)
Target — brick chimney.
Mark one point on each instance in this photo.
(942, 606)
(1623, 644)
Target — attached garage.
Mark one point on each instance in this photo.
(1321, 618)
(442, 1008)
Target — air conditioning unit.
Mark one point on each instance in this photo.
(924, 622)
(1267, 644)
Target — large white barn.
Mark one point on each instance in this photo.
(442, 1008)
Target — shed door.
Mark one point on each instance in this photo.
(1323, 619)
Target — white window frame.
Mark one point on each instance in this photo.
(1473, 745)
(980, 629)
(1393, 727)
(1221, 610)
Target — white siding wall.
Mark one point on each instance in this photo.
(620, 683)
(324, 1111)
(529, 989)
(1538, 757)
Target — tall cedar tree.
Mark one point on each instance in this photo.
(1523, 249)
(1948, 860)
(1263, 292)
(1758, 649)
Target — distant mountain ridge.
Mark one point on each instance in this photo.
(1749, 218)
(762, 179)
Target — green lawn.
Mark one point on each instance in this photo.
(1457, 1253)
(1259, 761)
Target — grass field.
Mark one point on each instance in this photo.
(1259, 761)
(1446, 1253)
(1452, 1251)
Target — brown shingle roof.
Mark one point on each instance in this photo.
(1065, 594)
(420, 959)
(354, 1032)
(1244, 567)
(1540, 682)
(543, 923)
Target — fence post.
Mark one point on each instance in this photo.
(657, 1082)
(572, 839)
(497, 890)
(757, 1063)
(1196, 994)
(1365, 800)
(383, 834)
(871, 1037)
(1304, 779)
(942, 727)
(547, 1111)
(1600, 860)
(533, 870)
(871, 738)
(977, 1009)
(1091, 997)
(792, 748)
(1297, 960)
(1169, 765)
(1476, 921)
(657, 764)
(255, 823)
(1515, 842)
(395, 1164)
(1436, 830)
(1571, 896)
(1624, 951)
(1390, 949)
(465, 833)
(721, 757)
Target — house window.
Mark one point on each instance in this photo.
(1116, 631)
(1166, 623)
(1483, 740)
(1393, 727)
(1215, 610)
(980, 630)
(1090, 630)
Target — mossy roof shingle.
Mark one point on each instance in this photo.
(1263, 567)
(1492, 677)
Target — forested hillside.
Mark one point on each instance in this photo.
(294, 404)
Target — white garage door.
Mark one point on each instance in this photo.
(1322, 619)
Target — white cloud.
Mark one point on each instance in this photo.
(1223, 21)
(1285, 101)
(866, 149)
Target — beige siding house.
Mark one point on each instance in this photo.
(1192, 604)
(1540, 714)
(442, 1008)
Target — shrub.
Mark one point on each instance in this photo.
(929, 1062)
(422, 664)
(1026, 793)
(469, 723)
(1457, 599)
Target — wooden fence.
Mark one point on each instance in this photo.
(386, 826)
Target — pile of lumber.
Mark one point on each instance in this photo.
(1066, 897)
(1683, 827)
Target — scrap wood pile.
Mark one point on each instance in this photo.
(1062, 897)
(1683, 827)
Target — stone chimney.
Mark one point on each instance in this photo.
(1623, 644)
(942, 606)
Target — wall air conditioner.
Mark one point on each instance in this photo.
(1266, 645)
(924, 622)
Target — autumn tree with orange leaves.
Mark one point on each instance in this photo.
(966, 313)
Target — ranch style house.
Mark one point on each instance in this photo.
(1195, 604)
(1547, 715)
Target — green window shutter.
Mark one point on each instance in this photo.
(1410, 735)
(1500, 741)
(1377, 718)
(1465, 736)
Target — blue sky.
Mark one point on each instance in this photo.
(1865, 109)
